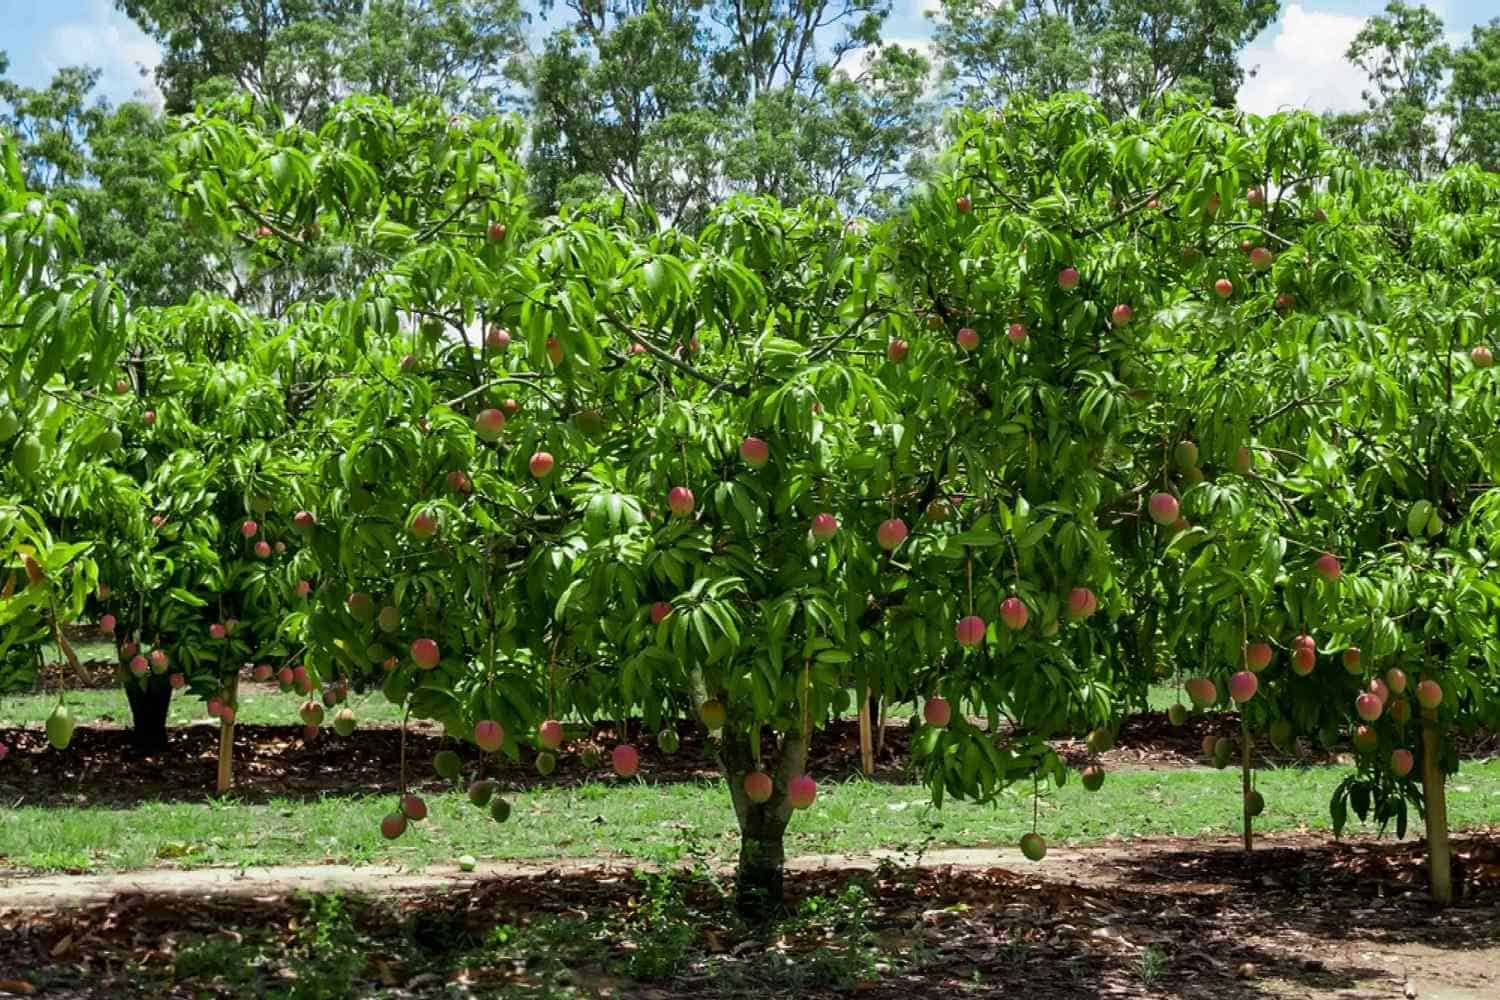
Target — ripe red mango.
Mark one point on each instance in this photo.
(936, 712)
(969, 631)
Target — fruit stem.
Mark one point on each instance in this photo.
(1036, 801)
(1245, 785)
(807, 698)
(551, 672)
(404, 716)
(65, 649)
(969, 570)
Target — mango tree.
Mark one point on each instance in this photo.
(61, 325)
(1224, 282)
(580, 468)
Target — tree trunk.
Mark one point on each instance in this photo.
(759, 878)
(1435, 800)
(149, 704)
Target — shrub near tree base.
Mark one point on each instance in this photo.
(699, 481)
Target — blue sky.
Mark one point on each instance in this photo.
(1298, 60)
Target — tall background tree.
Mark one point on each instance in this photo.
(1124, 52)
(675, 105)
(303, 55)
(103, 162)
(1407, 61)
(1429, 104)
(1474, 90)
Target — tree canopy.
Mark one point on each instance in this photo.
(1071, 424)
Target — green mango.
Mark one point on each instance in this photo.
(10, 425)
(28, 454)
(499, 810)
(1222, 751)
(109, 440)
(60, 727)
(447, 764)
(1416, 518)
(397, 687)
(590, 422)
(361, 607)
(480, 792)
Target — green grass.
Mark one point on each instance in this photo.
(259, 704)
(667, 823)
(1160, 697)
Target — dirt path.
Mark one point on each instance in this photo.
(1299, 919)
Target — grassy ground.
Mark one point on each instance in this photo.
(259, 704)
(673, 822)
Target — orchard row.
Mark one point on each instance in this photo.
(1194, 397)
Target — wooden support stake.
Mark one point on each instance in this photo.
(866, 736)
(1435, 799)
(226, 740)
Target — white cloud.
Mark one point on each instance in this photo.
(1302, 66)
(109, 41)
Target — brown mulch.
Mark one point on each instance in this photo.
(276, 762)
(1147, 739)
(1154, 920)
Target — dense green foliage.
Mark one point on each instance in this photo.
(1080, 418)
